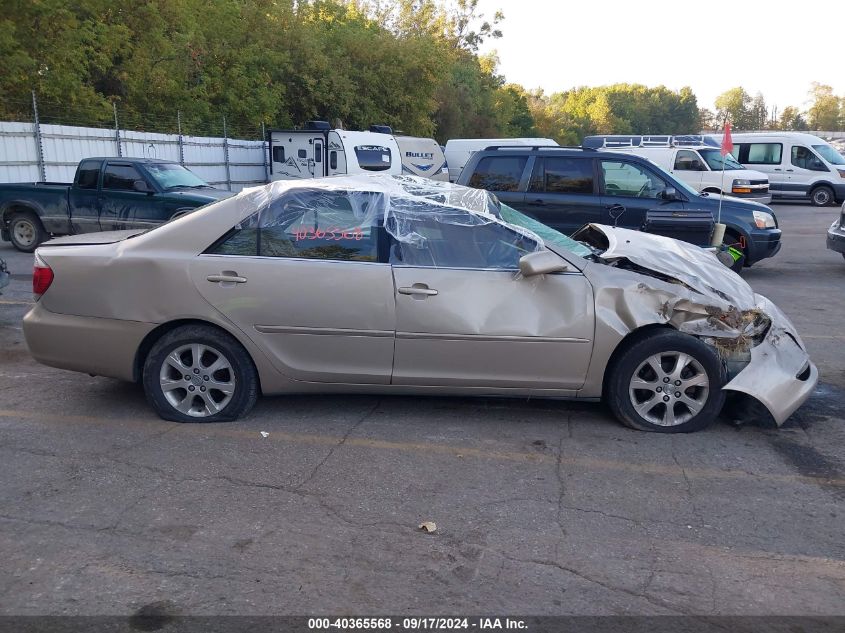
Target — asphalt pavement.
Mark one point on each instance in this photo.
(542, 507)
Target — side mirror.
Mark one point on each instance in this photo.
(670, 193)
(142, 186)
(541, 263)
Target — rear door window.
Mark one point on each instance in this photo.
(562, 174)
(311, 224)
(498, 173)
(759, 153)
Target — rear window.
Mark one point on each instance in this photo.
(89, 173)
(373, 157)
(498, 173)
(563, 175)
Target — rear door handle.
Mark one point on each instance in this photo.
(790, 170)
(777, 168)
(216, 279)
(418, 289)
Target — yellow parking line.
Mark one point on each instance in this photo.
(582, 463)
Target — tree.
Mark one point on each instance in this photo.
(791, 119)
(758, 114)
(734, 105)
(825, 113)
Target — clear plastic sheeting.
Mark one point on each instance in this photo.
(432, 223)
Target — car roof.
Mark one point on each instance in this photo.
(504, 150)
(129, 159)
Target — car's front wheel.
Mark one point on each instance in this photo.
(197, 373)
(667, 382)
(822, 196)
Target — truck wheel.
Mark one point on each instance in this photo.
(821, 196)
(26, 231)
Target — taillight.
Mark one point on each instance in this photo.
(42, 277)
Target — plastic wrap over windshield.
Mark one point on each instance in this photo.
(401, 219)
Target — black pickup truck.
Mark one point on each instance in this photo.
(107, 194)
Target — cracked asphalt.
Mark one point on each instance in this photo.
(542, 507)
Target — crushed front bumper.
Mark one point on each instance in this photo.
(780, 375)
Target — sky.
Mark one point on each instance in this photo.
(776, 47)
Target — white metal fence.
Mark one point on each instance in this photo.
(31, 152)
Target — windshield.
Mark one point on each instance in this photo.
(714, 159)
(830, 154)
(171, 176)
(548, 234)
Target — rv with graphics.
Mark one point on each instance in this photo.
(318, 151)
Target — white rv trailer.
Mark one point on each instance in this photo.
(319, 151)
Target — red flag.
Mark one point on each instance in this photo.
(727, 141)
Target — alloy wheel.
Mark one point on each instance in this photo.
(197, 380)
(669, 388)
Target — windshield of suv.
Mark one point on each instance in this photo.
(548, 234)
(830, 154)
(172, 176)
(714, 159)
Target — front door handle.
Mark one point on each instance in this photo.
(537, 202)
(420, 290)
(224, 278)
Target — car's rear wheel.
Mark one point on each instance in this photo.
(197, 373)
(26, 231)
(668, 382)
(822, 196)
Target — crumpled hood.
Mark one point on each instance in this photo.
(695, 267)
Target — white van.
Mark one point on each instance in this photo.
(689, 159)
(799, 166)
(458, 150)
(318, 151)
(422, 157)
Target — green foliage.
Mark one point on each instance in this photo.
(616, 109)
(828, 111)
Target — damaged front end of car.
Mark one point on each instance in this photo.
(643, 280)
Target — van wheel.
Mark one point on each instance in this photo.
(26, 231)
(669, 382)
(822, 196)
(198, 373)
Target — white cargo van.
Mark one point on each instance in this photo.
(799, 166)
(318, 151)
(458, 150)
(422, 157)
(691, 160)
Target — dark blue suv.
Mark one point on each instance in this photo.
(567, 188)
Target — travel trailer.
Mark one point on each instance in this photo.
(422, 157)
(458, 150)
(698, 164)
(318, 150)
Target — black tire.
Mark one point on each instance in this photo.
(240, 373)
(732, 239)
(26, 231)
(822, 196)
(620, 395)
